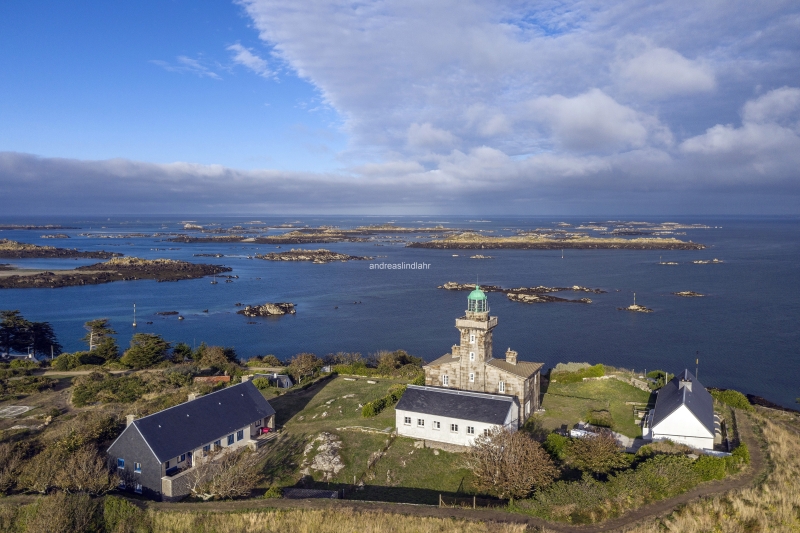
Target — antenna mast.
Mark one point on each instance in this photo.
(134, 314)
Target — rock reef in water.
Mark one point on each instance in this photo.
(707, 261)
(268, 309)
(21, 250)
(117, 269)
(528, 295)
(55, 236)
(533, 241)
(688, 294)
(635, 308)
(481, 256)
(315, 256)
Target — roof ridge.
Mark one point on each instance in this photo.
(189, 401)
(460, 392)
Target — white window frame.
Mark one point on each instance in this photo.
(420, 422)
(437, 425)
(472, 377)
(472, 339)
(446, 380)
(137, 468)
(453, 428)
(471, 356)
(486, 432)
(406, 420)
(501, 387)
(470, 430)
(138, 488)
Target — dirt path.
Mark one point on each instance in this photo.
(651, 511)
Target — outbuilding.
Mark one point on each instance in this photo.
(453, 416)
(684, 413)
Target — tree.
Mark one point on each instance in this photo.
(223, 474)
(146, 350)
(181, 352)
(63, 513)
(86, 471)
(43, 339)
(14, 331)
(271, 360)
(599, 454)
(509, 464)
(214, 357)
(98, 330)
(11, 461)
(304, 364)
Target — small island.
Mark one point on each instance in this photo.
(318, 235)
(21, 250)
(117, 269)
(635, 308)
(707, 261)
(688, 294)
(319, 256)
(536, 241)
(481, 256)
(528, 295)
(268, 309)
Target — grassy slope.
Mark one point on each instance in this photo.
(571, 402)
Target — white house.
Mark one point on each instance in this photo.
(684, 413)
(453, 416)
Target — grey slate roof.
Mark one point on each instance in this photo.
(464, 405)
(190, 425)
(699, 402)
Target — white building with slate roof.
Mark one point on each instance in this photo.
(684, 413)
(453, 416)
(155, 454)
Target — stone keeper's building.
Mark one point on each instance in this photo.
(471, 367)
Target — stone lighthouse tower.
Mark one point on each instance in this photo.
(475, 348)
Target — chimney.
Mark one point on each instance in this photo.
(685, 383)
(192, 396)
(246, 378)
(511, 356)
(455, 350)
(129, 420)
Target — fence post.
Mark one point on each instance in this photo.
(440, 500)
(473, 501)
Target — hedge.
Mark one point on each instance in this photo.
(733, 398)
(375, 407)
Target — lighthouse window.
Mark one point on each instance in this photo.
(472, 339)
(471, 356)
(471, 377)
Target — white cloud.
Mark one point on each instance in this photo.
(245, 57)
(187, 65)
(595, 121)
(661, 72)
(427, 136)
(779, 106)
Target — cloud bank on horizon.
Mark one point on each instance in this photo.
(518, 107)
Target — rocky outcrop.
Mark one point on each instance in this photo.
(55, 236)
(688, 294)
(542, 298)
(117, 269)
(315, 256)
(707, 261)
(635, 308)
(480, 256)
(268, 309)
(21, 250)
(533, 241)
(326, 459)
(528, 295)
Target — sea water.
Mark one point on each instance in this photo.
(744, 331)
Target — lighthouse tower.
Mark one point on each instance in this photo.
(475, 348)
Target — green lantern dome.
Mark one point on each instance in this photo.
(476, 301)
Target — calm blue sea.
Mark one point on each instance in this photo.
(746, 330)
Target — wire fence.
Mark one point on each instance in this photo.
(470, 502)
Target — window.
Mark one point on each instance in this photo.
(502, 386)
(137, 467)
(138, 488)
(217, 444)
(122, 484)
(445, 380)
(240, 434)
(470, 430)
(407, 420)
(471, 356)
(486, 432)
(454, 428)
(183, 457)
(206, 449)
(230, 439)
(120, 463)
(437, 425)
(420, 423)
(258, 422)
(471, 377)
(166, 465)
(472, 339)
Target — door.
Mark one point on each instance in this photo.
(189, 460)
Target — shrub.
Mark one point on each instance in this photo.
(733, 398)
(261, 383)
(274, 492)
(121, 516)
(375, 407)
(71, 361)
(24, 363)
(419, 380)
(742, 452)
(570, 367)
(146, 350)
(601, 418)
(182, 375)
(599, 454)
(595, 371)
(709, 468)
(556, 445)
(98, 387)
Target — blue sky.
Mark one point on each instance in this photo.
(401, 106)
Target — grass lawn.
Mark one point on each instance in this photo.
(568, 403)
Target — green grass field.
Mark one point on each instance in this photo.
(566, 404)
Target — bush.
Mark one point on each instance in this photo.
(742, 452)
(182, 375)
(375, 407)
(708, 467)
(24, 363)
(262, 383)
(595, 371)
(556, 445)
(121, 516)
(733, 398)
(419, 380)
(99, 387)
(601, 418)
(274, 492)
(71, 361)
(146, 350)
